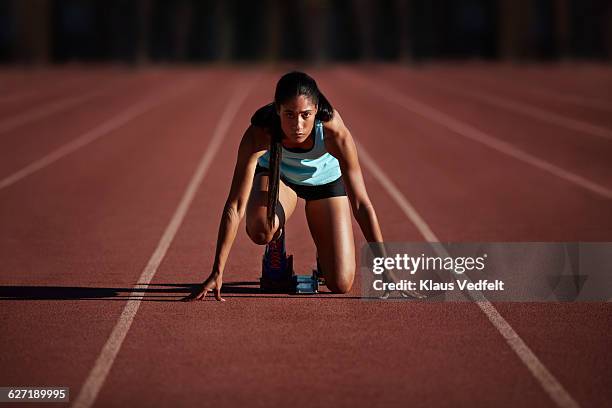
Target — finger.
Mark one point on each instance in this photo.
(191, 297)
(385, 295)
(218, 295)
(412, 294)
(202, 295)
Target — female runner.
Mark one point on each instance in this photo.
(297, 146)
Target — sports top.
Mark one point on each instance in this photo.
(312, 167)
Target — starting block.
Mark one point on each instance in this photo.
(278, 275)
(305, 284)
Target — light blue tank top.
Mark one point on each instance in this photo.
(313, 167)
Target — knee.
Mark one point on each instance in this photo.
(340, 286)
(259, 234)
(342, 280)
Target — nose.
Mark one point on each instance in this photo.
(300, 123)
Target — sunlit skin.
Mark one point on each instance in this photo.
(297, 118)
(329, 220)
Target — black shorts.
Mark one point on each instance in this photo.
(310, 193)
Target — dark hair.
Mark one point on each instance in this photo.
(298, 83)
(289, 86)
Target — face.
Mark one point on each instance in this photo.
(297, 118)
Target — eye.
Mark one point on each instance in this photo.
(306, 115)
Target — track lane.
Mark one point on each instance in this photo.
(558, 109)
(257, 337)
(15, 80)
(39, 91)
(27, 144)
(345, 351)
(90, 222)
(492, 80)
(566, 228)
(584, 155)
(582, 79)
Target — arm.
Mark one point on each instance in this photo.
(234, 209)
(340, 143)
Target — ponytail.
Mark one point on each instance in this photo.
(267, 118)
(289, 86)
(325, 112)
(276, 156)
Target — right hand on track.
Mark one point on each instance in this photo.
(212, 284)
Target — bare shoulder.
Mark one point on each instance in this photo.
(338, 139)
(256, 139)
(337, 135)
(335, 128)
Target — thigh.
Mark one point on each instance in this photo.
(257, 208)
(329, 220)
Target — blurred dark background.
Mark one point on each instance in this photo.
(141, 31)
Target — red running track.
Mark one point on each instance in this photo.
(78, 232)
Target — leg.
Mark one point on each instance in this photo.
(329, 220)
(256, 223)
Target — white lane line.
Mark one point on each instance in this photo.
(101, 130)
(45, 110)
(105, 360)
(548, 382)
(578, 73)
(71, 82)
(56, 106)
(536, 89)
(463, 129)
(525, 109)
